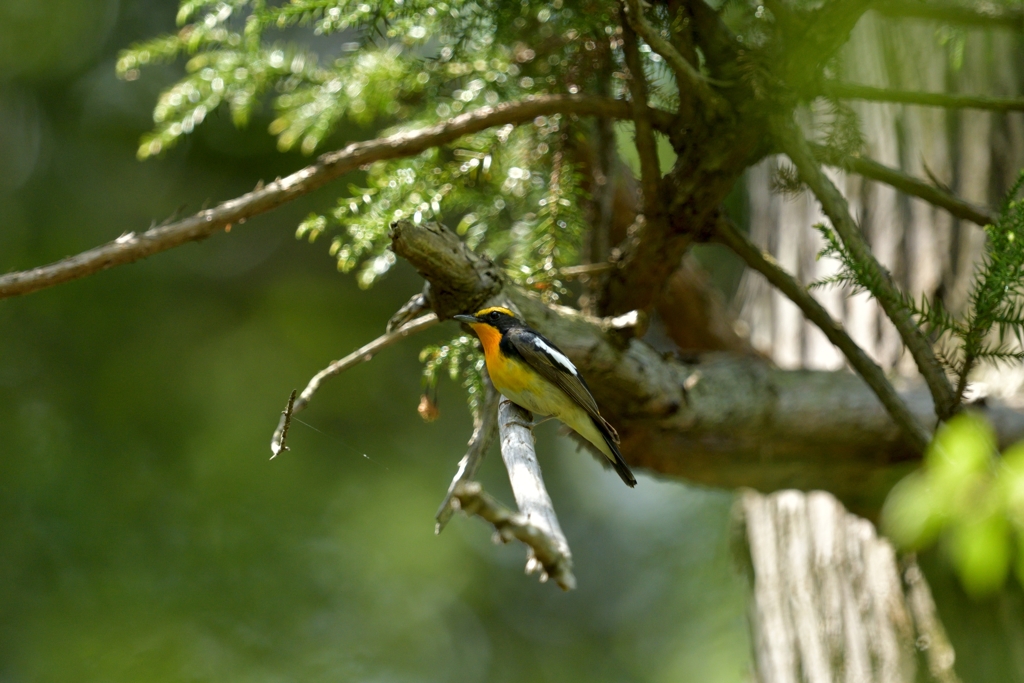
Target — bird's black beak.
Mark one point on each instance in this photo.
(468, 319)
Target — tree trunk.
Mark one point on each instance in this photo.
(831, 603)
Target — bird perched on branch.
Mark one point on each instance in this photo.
(531, 372)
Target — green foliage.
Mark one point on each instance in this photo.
(967, 498)
(995, 309)
(462, 360)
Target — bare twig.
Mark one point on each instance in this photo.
(816, 313)
(509, 525)
(884, 289)
(687, 76)
(358, 356)
(485, 429)
(873, 170)
(535, 524)
(532, 499)
(984, 14)
(646, 145)
(278, 445)
(854, 91)
(131, 247)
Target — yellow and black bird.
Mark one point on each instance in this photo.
(531, 372)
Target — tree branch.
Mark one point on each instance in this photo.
(883, 288)
(731, 419)
(873, 375)
(474, 501)
(646, 146)
(983, 14)
(131, 247)
(907, 184)
(854, 91)
(687, 77)
(365, 353)
(485, 430)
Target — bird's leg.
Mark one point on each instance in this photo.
(529, 425)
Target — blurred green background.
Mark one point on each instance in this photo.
(145, 536)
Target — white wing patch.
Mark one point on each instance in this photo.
(555, 355)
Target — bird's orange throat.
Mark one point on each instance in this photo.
(489, 338)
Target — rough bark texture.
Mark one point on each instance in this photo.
(830, 602)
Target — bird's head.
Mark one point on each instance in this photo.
(497, 317)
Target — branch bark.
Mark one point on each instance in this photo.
(872, 374)
(792, 142)
(907, 184)
(132, 247)
(854, 91)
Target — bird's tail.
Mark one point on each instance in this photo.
(612, 439)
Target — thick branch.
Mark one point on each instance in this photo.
(734, 420)
(983, 14)
(131, 247)
(485, 430)
(873, 170)
(834, 204)
(816, 313)
(854, 91)
(358, 356)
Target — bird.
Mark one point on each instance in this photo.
(534, 374)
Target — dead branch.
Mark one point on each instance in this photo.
(855, 91)
(535, 524)
(872, 374)
(131, 247)
(363, 354)
(485, 430)
(889, 298)
(982, 14)
(907, 184)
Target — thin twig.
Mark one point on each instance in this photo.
(485, 430)
(854, 91)
(792, 142)
(361, 355)
(985, 14)
(907, 184)
(281, 444)
(687, 76)
(869, 370)
(646, 145)
(131, 247)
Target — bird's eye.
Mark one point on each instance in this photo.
(494, 316)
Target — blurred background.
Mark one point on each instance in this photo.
(145, 535)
